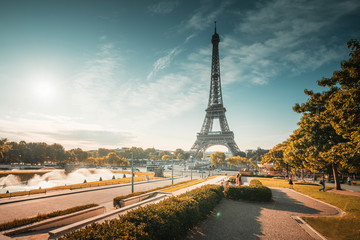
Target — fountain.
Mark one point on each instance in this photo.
(13, 183)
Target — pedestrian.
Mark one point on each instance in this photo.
(237, 179)
(291, 183)
(322, 183)
(349, 180)
(240, 180)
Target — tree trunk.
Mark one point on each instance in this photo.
(329, 173)
(302, 174)
(287, 170)
(336, 177)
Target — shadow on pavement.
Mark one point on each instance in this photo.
(252, 220)
(230, 220)
(283, 202)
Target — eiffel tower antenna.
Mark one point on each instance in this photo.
(215, 110)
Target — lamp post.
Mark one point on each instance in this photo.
(172, 171)
(191, 167)
(132, 172)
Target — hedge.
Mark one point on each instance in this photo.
(255, 183)
(22, 222)
(169, 219)
(254, 192)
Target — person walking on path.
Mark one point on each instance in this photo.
(291, 183)
(349, 180)
(237, 179)
(322, 183)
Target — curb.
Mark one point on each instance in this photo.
(340, 212)
(310, 230)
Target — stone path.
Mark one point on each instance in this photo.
(245, 220)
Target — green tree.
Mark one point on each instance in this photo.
(179, 154)
(4, 148)
(81, 155)
(166, 157)
(276, 156)
(217, 158)
(113, 159)
(55, 153)
(236, 161)
(330, 119)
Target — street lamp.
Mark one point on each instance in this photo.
(132, 172)
(191, 167)
(172, 172)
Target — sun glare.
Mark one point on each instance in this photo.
(43, 86)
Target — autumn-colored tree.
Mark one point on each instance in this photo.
(330, 121)
(166, 157)
(217, 158)
(236, 161)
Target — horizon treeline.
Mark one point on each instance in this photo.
(41, 153)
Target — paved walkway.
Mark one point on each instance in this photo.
(230, 220)
(18, 207)
(246, 220)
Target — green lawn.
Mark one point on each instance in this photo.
(346, 227)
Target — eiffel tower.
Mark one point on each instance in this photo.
(215, 110)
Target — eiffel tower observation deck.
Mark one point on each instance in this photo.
(215, 110)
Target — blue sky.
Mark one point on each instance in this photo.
(113, 74)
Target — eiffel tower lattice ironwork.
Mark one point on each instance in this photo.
(215, 110)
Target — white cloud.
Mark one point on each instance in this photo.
(164, 7)
(204, 16)
(163, 62)
(61, 129)
(280, 37)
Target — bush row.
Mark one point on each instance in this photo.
(169, 219)
(116, 200)
(255, 183)
(254, 192)
(22, 222)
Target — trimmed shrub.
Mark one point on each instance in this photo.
(169, 219)
(250, 193)
(255, 183)
(232, 179)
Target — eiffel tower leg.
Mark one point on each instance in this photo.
(232, 146)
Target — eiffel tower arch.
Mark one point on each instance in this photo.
(215, 110)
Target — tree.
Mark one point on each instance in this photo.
(166, 157)
(217, 158)
(343, 108)
(113, 159)
(4, 147)
(236, 160)
(179, 154)
(276, 156)
(55, 153)
(81, 155)
(331, 119)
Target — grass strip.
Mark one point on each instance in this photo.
(116, 200)
(342, 227)
(25, 221)
(172, 189)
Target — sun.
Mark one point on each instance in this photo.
(44, 90)
(44, 86)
